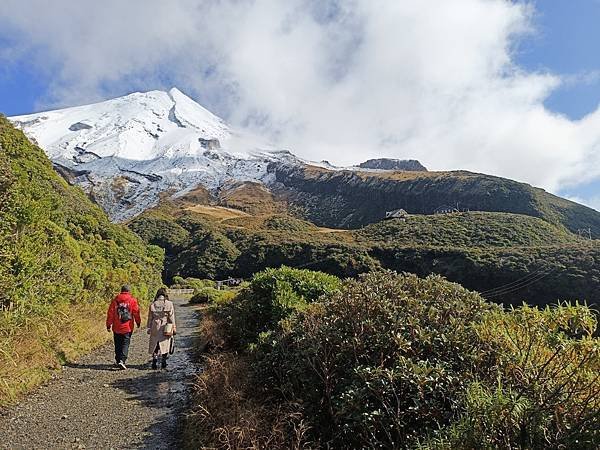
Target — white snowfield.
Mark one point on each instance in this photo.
(128, 150)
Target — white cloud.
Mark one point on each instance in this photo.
(337, 80)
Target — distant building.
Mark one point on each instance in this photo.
(230, 282)
(446, 209)
(396, 214)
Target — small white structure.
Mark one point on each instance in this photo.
(445, 209)
(230, 282)
(396, 214)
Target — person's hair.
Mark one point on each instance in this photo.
(125, 288)
(162, 291)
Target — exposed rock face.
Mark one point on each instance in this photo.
(210, 144)
(78, 126)
(393, 164)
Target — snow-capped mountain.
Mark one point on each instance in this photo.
(128, 150)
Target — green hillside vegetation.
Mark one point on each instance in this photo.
(61, 262)
(348, 199)
(476, 229)
(509, 257)
(393, 361)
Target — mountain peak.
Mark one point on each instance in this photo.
(411, 165)
(174, 91)
(127, 150)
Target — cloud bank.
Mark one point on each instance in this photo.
(342, 80)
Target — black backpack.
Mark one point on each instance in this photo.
(123, 312)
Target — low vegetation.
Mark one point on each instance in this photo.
(510, 258)
(468, 230)
(395, 361)
(61, 260)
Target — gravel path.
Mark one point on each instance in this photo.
(92, 405)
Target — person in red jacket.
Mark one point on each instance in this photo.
(122, 313)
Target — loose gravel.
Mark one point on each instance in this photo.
(92, 405)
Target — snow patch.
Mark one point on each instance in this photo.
(126, 151)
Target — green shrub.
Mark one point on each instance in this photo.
(191, 283)
(212, 295)
(211, 255)
(273, 295)
(395, 361)
(56, 246)
(380, 362)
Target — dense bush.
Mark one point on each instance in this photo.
(273, 295)
(57, 246)
(394, 361)
(380, 362)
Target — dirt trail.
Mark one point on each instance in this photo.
(92, 405)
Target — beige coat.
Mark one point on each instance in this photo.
(161, 312)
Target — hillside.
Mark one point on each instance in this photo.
(350, 199)
(62, 260)
(510, 258)
(474, 229)
(132, 152)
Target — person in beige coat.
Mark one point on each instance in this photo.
(161, 313)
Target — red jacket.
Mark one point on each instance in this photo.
(112, 318)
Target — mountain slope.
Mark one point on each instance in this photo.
(126, 151)
(61, 260)
(130, 152)
(352, 199)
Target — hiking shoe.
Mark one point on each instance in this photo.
(163, 364)
(122, 365)
(154, 364)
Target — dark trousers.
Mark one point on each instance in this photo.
(122, 346)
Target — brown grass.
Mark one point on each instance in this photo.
(198, 196)
(252, 197)
(226, 413)
(399, 175)
(227, 410)
(31, 352)
(217, 212)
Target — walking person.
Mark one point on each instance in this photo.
(122, 313)
(161, 328)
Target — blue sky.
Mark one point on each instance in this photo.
(566, 43)
(245, 71)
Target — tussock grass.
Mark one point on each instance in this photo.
(32, 351)
(218, 212)
(227, 411)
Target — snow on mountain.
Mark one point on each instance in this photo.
(128, 150)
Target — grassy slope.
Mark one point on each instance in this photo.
(475, 229)
(62, 260)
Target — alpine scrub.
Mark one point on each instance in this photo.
(392, 361)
